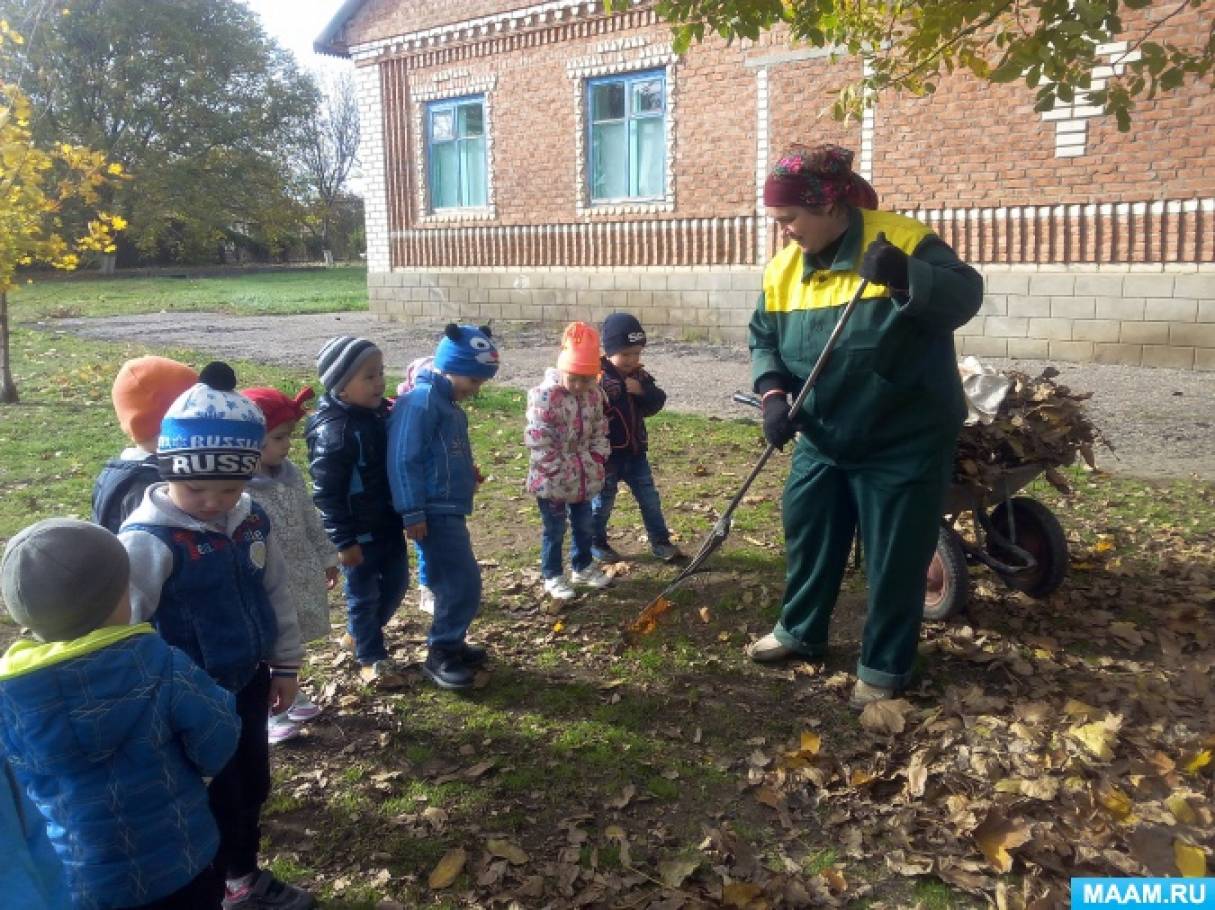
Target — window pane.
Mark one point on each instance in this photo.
(648, 156)
(607, 101)
(472, 172)
(444, 176)
(647, 97)
(471, 120)
(441, 126)
(609, 161)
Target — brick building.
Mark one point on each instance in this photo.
(551, 162)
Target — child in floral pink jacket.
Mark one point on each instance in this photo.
(567, 435)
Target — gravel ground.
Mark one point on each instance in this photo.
(1159, 421)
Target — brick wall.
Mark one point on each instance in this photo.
(1096, 245)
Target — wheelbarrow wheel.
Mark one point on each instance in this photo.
(1039, 533)
(948, 586)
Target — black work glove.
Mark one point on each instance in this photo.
(884, 263)
(778, 427)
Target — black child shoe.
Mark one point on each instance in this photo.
(447, 671)
(474, 656)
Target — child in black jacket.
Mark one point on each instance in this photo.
(632, 396)
(347, 439)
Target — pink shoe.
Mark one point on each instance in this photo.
(281, 728)
(302, 709)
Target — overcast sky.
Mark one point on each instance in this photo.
(295, 24)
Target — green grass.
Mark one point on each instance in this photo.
(253, 294)
(571, 720)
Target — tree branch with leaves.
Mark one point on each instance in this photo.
(36, 184)
(1050, 45)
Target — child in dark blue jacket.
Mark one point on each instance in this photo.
(109, 729)
(31, 875)
(433, 479)
(347, 440)
(632, 396)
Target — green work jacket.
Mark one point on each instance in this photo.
(891, 385)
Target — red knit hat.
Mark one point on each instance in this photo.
(818, 176)
(276, 407)
(143, 390)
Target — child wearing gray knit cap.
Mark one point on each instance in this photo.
(107, 728)
(347, 438)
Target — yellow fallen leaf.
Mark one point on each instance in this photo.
(740, 894)
(811, 743)
(614, 832)
(1105, 543)
(504, 849)
(1191, 860)
(704, 614)
(1114, 800)
(1192, 764)
(997, 836)
(448, 869)
(558, 627)
(1074, 708)
(1181, 809)
(859, 778)
(1096, 737)
(673, 872)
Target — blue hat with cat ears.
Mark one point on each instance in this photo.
(466, 350)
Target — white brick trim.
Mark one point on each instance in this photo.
(375, 206)
(762, 151)
(1071, 130)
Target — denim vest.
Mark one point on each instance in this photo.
(214, 605)
(119, 489)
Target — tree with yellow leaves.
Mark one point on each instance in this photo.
(35, 184)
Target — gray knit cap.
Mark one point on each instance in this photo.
(340, 358)
(61, 577)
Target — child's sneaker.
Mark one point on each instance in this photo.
(473, 656)
(559, 589)
(268, 893)
(865, 694)
(447, 671)
(604, 552)
(281, 728)
(302, 709)
(382, 675)
(592, 576)
(667, 552)
(426, 600)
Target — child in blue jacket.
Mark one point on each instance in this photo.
(109, 730)
(433, 479)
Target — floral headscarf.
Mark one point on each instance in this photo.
(817, 176)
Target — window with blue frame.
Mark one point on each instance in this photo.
(627, 153)
(455, 152)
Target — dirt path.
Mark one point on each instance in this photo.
(1161, 422)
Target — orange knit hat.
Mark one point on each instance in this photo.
(579, 350)
(143, 390)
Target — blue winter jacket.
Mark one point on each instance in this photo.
(430, 466)
(31, 876)
(119, 488)
(111, 735)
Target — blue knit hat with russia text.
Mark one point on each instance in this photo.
(467, 350)
(210, 432)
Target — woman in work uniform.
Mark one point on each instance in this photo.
(879, 427)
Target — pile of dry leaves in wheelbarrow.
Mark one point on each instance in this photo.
(1037, 421)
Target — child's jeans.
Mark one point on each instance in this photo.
(635, 471)
(554, 515)
(374, 589)
(454, 578)
(237, 792)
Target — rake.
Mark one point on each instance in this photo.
(647, 621)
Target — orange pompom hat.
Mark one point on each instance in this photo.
(143, 390)
(579, 350)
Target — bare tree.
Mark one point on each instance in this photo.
(328, 152)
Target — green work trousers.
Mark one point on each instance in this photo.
(896, 499)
